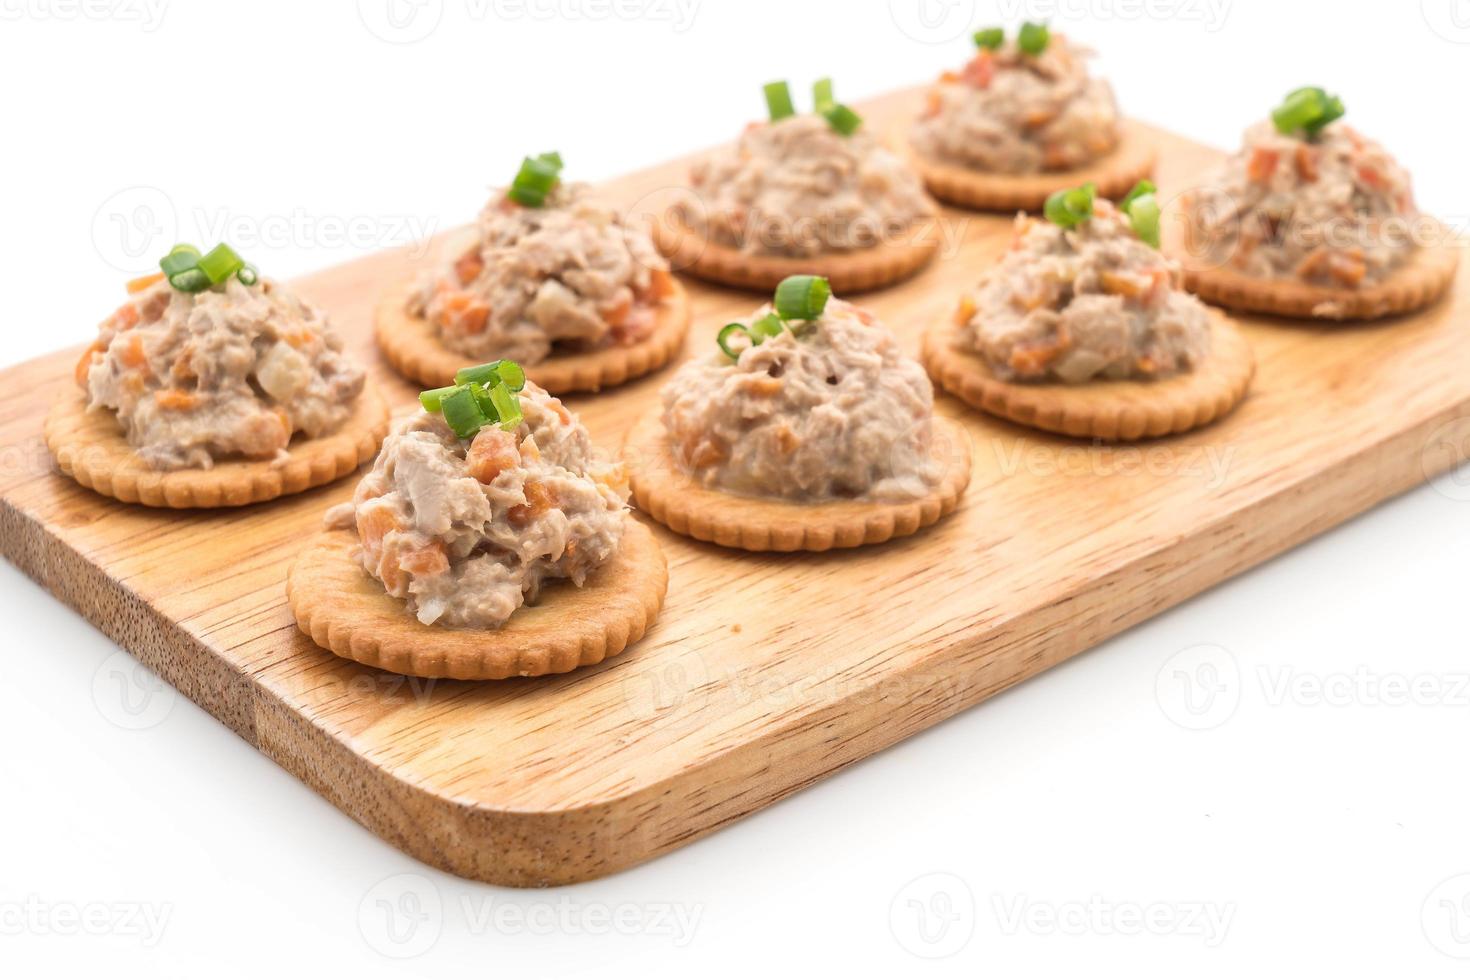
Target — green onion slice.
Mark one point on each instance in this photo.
(769, 325)
(433, 398)
(778, 101)
(1069, 208)
(822, 95)
(1033, 38)
(730, 330)
(802, 297)
(1141, 188)
(220, 263)
(189, 281)
(248, 275)
(843, 119)
(1307, 110)
(990, 38)
(507, 406)
(463, 412)
(536, 179)
(1144, 216)
(180, 258)
(489, 375)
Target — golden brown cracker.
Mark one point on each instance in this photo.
(1113, 410)
(1115, 174)
(89, 446)
(672, 497)
(1416, 284)
(847, 272)
(415, 350)
(345, 610)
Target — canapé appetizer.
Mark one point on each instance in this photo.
(814, 193)
(1311, 219)
(213, 386)
(1082, 328)
(1023, 119)
(489, 540)
(804, 428)
(551, 278)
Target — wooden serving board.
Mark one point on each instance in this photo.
(765, 672)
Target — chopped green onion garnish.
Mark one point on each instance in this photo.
(990, 38)
(492, 374)
(189, 281)
(843, 119)
(536, 179)
(1143, 214)
(179, 259)
(432, 398)
(220, 264)
(778, 101)
(248, 275)
(1069, 208)
(1307, 110)
(769, 325)
(802, 297)
(463, 412)
(507, 406)
(1141, 188)
(1033, 38)
(729, 330)
(822, 94)
(512, 375)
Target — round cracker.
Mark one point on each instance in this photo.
(672, 497)
(1416, 284)
(1130, 161)
(848, 272)
(346, 611)
(89, 446)
(416, 352)
(1111, 410)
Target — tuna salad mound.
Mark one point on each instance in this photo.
(478, 501)
(1085, 294)
(1020, 106)
(207, 360)
(804, 185)
(1305, 199)
(551, 268)
(808, 400)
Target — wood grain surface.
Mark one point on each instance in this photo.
(767, 672)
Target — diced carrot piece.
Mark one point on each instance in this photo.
(175, 400)
(1371, 177)
(143, 282)
(125, 317)
(933, 104)
(660, 284)
(1115, 284)
(965, 310)
(131, 354)
(469, 267)
(425, 562)
(761, 384)
(786, 439)
(1037, 118)
(466, 312)
(560, 410)
(700, 450)
(949, 76)
(981, 70)
(616, 314)
(1262, 164)
(1034, 358)
(1306, 163)
(492, 452)
(183, 368)
(539, 499)
(373, 525)
(89, 356)
(1348, 268)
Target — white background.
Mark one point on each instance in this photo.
(1300, 831)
